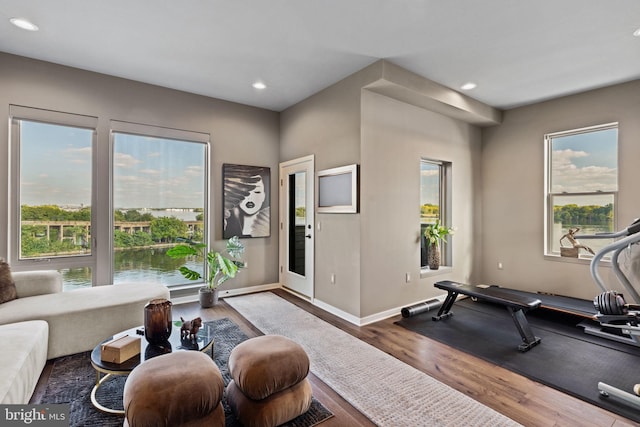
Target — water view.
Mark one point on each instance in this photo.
(157, 183)
(595, 244)
(136, 265)
(141, 239)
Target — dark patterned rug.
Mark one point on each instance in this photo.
(72, 379)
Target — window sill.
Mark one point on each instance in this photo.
(186, 286)
(426, 272)
(582, 260)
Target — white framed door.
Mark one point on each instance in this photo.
(297, 225)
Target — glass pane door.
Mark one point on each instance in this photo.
(297, 222)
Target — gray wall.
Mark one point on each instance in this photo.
(512, 192)
(395, 136)
(239, 134)
(369, 253)
(327, 125)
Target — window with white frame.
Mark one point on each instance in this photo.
(581, 186)
(158, 196)
(159, 199)
(435, 201)
(52, 194)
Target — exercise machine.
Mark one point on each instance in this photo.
(613, 312)
(619, 321)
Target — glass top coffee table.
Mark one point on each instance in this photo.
(203, 342)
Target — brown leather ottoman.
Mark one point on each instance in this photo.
(270, 385)
(182, 388)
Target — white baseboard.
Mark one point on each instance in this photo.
(362, 321)
(229, 293)
(248, 290)
(337, 312)
(358, 321)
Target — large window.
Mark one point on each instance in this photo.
(434, 204)
(52, 193)
(582, 185)
(159, 199)
(106, 213)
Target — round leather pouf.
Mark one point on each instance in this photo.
(180, 388)
(267, 364)
(275, 410)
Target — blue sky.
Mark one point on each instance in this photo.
(429, 183)
(600, 145)
(55, 165)
(148, 172)
(585, 162)
(154, 172)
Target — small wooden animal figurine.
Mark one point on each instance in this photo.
(190, 328)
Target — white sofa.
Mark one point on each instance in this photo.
(22, 359)
(75, 321)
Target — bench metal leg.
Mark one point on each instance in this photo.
(529, 340)
(445, 309)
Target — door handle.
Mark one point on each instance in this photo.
(308, 236)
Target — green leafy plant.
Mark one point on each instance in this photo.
(437, 232)
(220, 267)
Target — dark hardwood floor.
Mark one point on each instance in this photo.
(523, 400)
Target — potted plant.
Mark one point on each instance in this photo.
(220, 267)
(435, 233)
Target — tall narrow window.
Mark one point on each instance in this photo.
(433, 203)
(159, 199)
(51, 213)
(582, 185)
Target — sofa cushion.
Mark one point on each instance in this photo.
(22, 359)
(7, 285)
(38, 282)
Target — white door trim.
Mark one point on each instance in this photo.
(307, 164)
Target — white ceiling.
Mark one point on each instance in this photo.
(517, 51)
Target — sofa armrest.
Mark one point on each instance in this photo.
(30, 283)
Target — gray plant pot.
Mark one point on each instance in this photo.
(433, 256)
(208, 297)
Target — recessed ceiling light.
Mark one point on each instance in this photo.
(468, 86)
(637, 32)
(24, 24)
(259, 85)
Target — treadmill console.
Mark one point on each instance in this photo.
(634, 227)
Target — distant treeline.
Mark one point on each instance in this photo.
(56, 213)
(36, 239)
(132, 215)
(583, 215)
(430, 210)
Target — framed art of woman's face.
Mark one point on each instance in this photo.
(246, 201)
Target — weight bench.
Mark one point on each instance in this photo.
(517, 305)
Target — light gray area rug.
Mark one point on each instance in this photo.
(386, 390)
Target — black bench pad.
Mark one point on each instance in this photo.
(492, 294)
